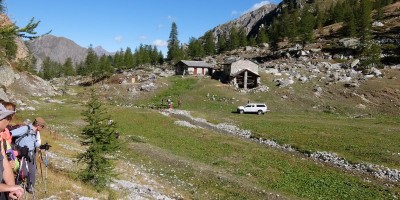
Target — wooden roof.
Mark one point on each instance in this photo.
(242, 70)
(191, 63)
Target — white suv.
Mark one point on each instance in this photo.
(259, 108)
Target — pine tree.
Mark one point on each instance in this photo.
(195, 49)
(261, 36)
(209, 45)
(128, 58)
(222, 46)
(99, 136)
(105, 65)
(364, 28)
(67, 68)
(173, 53)
(119, 59)
(252, 41)
(242, 37)
(233, 39)
(90, 64)
(306, 26)
(49, 69)
(349, 28)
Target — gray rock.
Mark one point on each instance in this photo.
(3, 95)
(7, 75)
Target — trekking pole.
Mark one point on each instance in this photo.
(46, 163)
(40, 163)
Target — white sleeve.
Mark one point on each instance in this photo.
(38, 140)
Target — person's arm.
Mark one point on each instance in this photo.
(8, 174)
(38, 140)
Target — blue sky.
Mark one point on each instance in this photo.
(119, 24)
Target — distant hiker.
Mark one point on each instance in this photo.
(7, 182)
(169, 101)
(179, 103)
(28, 139)
(162, 102)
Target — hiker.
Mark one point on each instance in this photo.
(179, 103)
(28, 139)
(7, 182)
(6, 136)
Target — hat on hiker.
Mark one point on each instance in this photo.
(4, 112)
(39, 122)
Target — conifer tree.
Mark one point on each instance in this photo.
(261, 36)
(274, 35)
(242, 37)
(48, 69)
(119, 59)
(209, 45)
(349, 28)
(306, 26)
(99, 135)
(128, 58)
(364, 28)
(222, 46)
(234, 39)
(252, 41)
(67, 68)
(105, 65)
(174, 53)
(195, 49)
(90, 63)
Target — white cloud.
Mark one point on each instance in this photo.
(235, 12)
(142, 37)
(257, 5)
(160, 26)
(160, 43)
(118, 38)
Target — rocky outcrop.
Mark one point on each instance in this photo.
(246, 21)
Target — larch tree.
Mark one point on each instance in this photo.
(68, 69)
(99, 135)
(209, 44)
(307, 23)
(128, 58)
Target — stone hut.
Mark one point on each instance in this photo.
(241, 73)
(187, 67)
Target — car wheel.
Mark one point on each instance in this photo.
(260, 112)
(241, 111)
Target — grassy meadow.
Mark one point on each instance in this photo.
(202, 164)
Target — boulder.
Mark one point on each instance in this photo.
(7, 75)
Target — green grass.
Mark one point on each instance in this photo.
(201, 164)
(212, 164)
(358, 140)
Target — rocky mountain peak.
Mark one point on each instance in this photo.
(57, 49)
(247, 21)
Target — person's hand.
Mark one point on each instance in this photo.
(17, 192)
(12, 163)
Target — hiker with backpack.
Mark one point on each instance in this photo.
(7, 182)
(26, 142)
